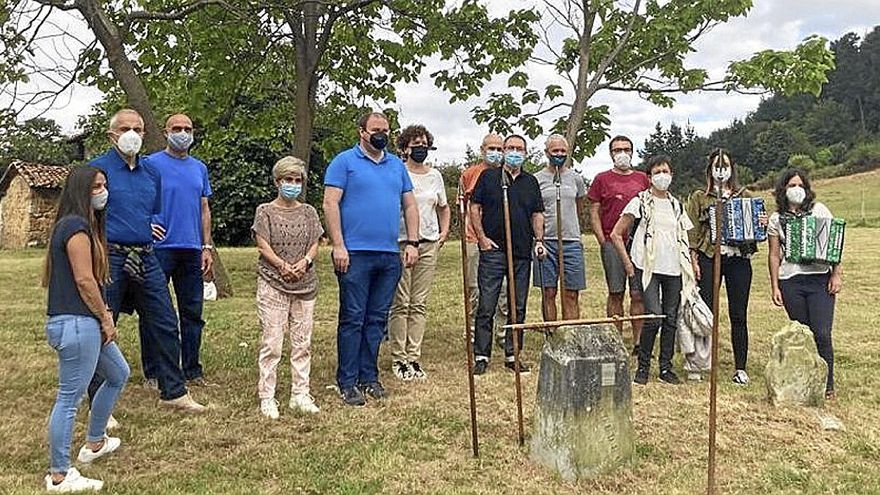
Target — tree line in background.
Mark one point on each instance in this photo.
(262, 79)
(835, 133)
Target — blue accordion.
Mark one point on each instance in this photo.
(739, 221)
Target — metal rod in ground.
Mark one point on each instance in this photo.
(713, 380)
(512, 306)
(593, 321)
(560, 266)
(468, 334)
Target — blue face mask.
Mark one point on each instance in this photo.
(291, 191)
(180, 141)
(514, 159)
(493, 157)
(558, 160)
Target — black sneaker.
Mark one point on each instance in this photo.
(670, 377)
(480, 367)
(641, 376)
(352, 396)
(402, 370)
(416, 370)
(374, 390)
(523, 367)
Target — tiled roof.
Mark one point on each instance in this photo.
(36, 175)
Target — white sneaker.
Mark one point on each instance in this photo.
(269, 408)
(112, 424)
(73, 482)
(184, 403)
(88, 455)
(740, 377)
(695, 376)
(304, 403)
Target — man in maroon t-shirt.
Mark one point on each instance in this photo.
(608, 195)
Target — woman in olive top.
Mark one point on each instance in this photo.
(736, 264)
(81, 328)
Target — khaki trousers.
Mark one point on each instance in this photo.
(408, 319)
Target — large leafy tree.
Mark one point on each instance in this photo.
(600, 46)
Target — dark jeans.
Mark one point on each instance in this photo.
(365, 294)
(183, 267)
(737, 274)
(157, 320)
(490, 274)
(661, 297)
(806, 300)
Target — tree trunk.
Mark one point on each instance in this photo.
(123, 70)
(221, 276)
(305, 28)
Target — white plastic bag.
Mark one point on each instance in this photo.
(210, 293)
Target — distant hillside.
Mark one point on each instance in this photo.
(855, 198)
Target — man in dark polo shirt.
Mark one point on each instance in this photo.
(137, 280)
(526, 225)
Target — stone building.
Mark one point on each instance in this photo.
(28, 201)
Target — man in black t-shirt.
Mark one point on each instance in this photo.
(526, 225)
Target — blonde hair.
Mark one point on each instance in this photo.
(289, 165)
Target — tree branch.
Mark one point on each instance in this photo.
(176, 14)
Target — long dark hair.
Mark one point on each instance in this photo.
(782, 185)
(76, 200)
(717, 157)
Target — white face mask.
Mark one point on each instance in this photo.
(796, 195)
(662, 180)
(129, 143)
(99, 201)
(722, 175)
(622, 161)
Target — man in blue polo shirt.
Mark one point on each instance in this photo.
(137, 281)
(365, 187)
(185, 252)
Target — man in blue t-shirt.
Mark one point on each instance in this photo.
(364, 188)
(185, 251)
(137, 281)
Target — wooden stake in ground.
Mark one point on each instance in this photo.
(716, 290)
(560, 266)
(511, 305)
(468, 334)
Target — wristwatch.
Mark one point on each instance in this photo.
(414, 244)
(207, 246)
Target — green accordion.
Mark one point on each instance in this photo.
(810, 239)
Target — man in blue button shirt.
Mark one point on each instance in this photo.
(365, 187)
(137, 280)
(185, 252)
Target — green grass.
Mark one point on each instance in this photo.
(418, 441)
(853, 197)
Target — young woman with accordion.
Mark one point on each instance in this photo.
(805, 274)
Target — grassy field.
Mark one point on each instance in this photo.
(418, 440)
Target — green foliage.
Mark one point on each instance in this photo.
(36, 140)
(803, 70)
(774, 146)
(863, 157)
(802, 161)
(688, 152)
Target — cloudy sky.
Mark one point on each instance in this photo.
(771, 24)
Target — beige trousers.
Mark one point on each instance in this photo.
(408, 319)
(279, 313)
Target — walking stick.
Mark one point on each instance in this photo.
(716, 290)
(560, 266)
(512, 306)
(468, 335)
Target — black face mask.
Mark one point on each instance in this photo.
(419, 154)
(379, 140)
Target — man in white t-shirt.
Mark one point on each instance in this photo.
(657, 259)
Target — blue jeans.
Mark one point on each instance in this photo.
(365, 294)
(183, 267)
(157, 321)
(77, 340)
(806, 300)
(491, 272)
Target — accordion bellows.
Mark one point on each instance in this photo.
(810, 239)
(739, 221)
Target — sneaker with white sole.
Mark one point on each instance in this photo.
(402, 370)
(73, 482)
(740, 377)
(87, 455)
(269, 408)
(184, 403)
(695, 376)
(304, 403)
(417, 372)
(151, 384)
